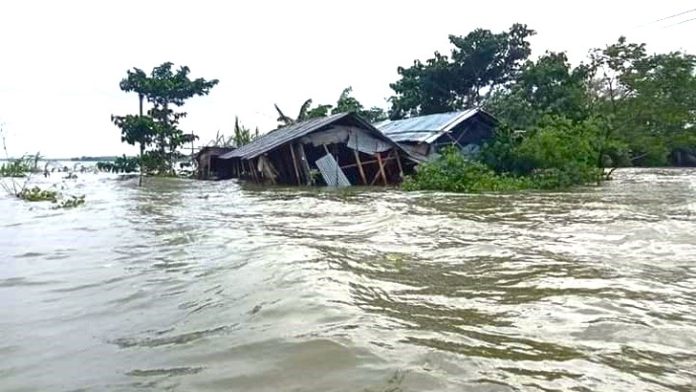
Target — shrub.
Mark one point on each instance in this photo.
(452, 172)
(558, 154)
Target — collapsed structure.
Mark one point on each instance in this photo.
(207, 161)
(425, 136)
(339, 150)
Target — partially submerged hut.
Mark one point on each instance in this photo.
(208, 162)
(339, 150)
(425, 136)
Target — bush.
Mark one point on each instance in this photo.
(452, 172)
(556, 155)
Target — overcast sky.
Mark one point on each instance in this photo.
(61, 61)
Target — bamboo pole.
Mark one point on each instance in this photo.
(398, 163)
(360, 168)
(254, 165)
(305, 164)
(381, 168)
(294, 163)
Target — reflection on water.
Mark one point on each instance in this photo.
(185, 285)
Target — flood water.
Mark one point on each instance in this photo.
(213, 286)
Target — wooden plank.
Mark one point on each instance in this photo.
(375, 178)
(294, 164)
(348, 166)
(360, 168)
(381, 167)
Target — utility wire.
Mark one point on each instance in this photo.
(675, 15)
(682, 22)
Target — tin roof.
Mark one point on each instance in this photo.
(426, 129)
(278, 137)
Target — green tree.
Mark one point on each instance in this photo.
(347, 103)
(165, 89)
(480, 62)
(647, 99)
(549, 86)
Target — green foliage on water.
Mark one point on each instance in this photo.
(71, 202)
(37, 194)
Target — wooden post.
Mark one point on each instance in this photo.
(398, 163)
(254, 165)
(381, 168)
(360, 168)
(252, 171)
(207, 176)
(294, 163)
(305, 164)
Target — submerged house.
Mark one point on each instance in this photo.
(208, 162)
(339, 150)
(425, 136)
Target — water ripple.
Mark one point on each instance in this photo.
(184, 285)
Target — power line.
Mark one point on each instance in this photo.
(675, 15)
(682, 22)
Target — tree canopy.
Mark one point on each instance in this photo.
(478, 63)
(164, 88)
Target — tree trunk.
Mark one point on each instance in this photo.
(142, 145)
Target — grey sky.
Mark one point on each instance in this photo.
(61, 61)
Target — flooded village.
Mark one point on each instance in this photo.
(366, 196)
(345, 149)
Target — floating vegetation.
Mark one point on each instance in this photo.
(71, 202)
(37, 194)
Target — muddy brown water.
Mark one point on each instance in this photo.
(213, 286)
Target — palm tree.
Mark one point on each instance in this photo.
(301, 116)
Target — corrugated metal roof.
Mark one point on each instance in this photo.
(278, 137)
(426, 129)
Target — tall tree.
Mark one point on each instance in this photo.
(139, 129)
(479, 62)
(164, 89)
(167, 88)
(648, 99)
(549, 86)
